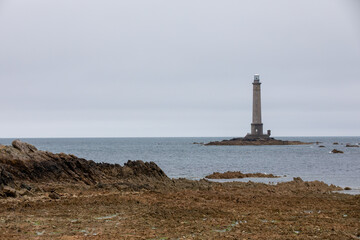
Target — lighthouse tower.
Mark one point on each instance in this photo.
(256, 125)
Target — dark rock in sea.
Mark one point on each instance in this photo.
(335, 143)
(347, 188)
(232, 175)
(321, 146)
(349, 145)
(336, 151)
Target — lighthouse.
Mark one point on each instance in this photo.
(257, 125)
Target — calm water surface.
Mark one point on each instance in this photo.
(179, 157)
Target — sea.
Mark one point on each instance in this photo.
(179, 157)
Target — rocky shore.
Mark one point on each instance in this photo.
(255, 142)
(23, 165)
(60, 196)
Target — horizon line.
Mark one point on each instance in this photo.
(173, 136)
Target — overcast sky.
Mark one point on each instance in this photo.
(143, 68)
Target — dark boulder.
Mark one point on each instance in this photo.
(349, 145)
(336, 151)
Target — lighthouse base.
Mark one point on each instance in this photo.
(256, 137)
(257, 132)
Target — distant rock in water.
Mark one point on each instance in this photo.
(321, 146)
(22, 162)
(336, 151)
(335, 143)
(256, 142)
(349, 145)
(231, 175)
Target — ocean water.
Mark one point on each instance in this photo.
(180, 158)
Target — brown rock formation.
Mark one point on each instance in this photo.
(230, 175)
(22, 162)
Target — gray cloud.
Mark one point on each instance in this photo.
(178, 68)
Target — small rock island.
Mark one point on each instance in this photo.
(256, 137)
(256, 142)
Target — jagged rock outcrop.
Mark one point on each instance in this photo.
(22, 162)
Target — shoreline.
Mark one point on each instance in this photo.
(139, 201)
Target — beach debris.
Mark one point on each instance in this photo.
(336, 151)
(106, 217)
(40, 233)
(228, 228)
(85, 231)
